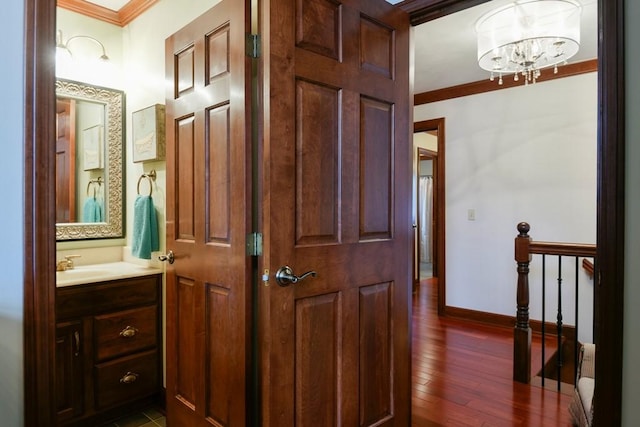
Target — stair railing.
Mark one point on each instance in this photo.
(524, 249)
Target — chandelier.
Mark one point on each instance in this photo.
(527, 36)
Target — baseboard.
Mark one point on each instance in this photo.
(504, 321)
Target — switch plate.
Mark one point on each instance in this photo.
(471, 214)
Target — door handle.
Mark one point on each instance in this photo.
(169, 257)
(285, 276)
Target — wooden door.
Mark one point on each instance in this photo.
(65, 160)
(335, 349)
(208, 286)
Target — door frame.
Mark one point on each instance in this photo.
(439, 212)
(39, 204)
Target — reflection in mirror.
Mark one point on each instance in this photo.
(89, 161)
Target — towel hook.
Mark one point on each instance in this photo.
(151, 176)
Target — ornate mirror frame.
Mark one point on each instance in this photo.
(114, 102)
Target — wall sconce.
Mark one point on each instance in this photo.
(63, 47)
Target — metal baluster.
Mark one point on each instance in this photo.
(559, 322)
(575, 339)
(544, 287)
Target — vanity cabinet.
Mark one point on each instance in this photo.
(70, 392)
(108, 349)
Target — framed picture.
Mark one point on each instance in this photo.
(92, 156)
(148, 134)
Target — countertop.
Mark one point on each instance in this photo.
(94, 273)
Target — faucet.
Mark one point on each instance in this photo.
(66, 263)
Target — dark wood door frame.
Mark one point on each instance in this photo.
(39, 208)
(439, 216)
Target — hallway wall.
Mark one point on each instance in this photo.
(520, 154)
(12, 195)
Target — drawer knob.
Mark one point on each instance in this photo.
(129, 377)
(128, 332)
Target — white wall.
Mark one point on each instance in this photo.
(521, 154)
(631, 346)
(12, 195)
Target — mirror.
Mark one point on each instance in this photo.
(89, 161)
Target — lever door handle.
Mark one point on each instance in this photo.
(169, 257)
(285, 276)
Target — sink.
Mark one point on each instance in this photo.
(101, 272)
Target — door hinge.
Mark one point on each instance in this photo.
(254, 244)
(253, 45)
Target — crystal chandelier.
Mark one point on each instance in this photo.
(526, 36)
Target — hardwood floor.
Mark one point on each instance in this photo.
(462, 374)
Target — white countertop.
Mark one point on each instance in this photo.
(84, 274)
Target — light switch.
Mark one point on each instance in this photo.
(471, 214)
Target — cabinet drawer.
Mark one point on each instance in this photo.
(127, 378)
(124, 332)
(105, 297)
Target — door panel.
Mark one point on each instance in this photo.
(65, 160)
(337, 200)
(207, 299)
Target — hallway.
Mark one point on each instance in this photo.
(462, 374)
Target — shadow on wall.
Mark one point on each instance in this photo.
(11, 368)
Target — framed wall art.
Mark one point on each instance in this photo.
(148, 134)
(92, 148)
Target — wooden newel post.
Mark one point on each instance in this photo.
(522, 331)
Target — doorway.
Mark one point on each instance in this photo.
(429, 252)
(39, 245)
(425, 255)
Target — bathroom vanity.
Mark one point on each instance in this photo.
(108, 342)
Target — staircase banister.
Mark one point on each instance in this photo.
(557, 248)
(525, 247)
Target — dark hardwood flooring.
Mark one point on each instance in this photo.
(462, 374)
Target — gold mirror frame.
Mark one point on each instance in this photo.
(114, 103)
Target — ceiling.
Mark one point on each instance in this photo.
(445, 48)
(114, 5)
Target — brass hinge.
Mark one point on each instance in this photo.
(254, 244)
(253, 45)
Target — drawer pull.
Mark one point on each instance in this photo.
(129, 377)
(128, 332)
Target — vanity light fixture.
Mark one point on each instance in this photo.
(528, 35)
(62, 46)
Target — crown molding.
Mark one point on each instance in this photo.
(122, 17)
(487, 85)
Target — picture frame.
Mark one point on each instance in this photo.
(148, 134)
(92, 148)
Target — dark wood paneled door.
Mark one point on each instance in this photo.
(337, 201)
(65, 160)
(208, 285)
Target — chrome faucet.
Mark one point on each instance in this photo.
(66, 263)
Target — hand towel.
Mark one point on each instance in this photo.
(92, 210)
(145, 228)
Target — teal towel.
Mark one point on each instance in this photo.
(92, 210)
(145, 228)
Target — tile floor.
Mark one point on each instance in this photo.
(150, 417)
